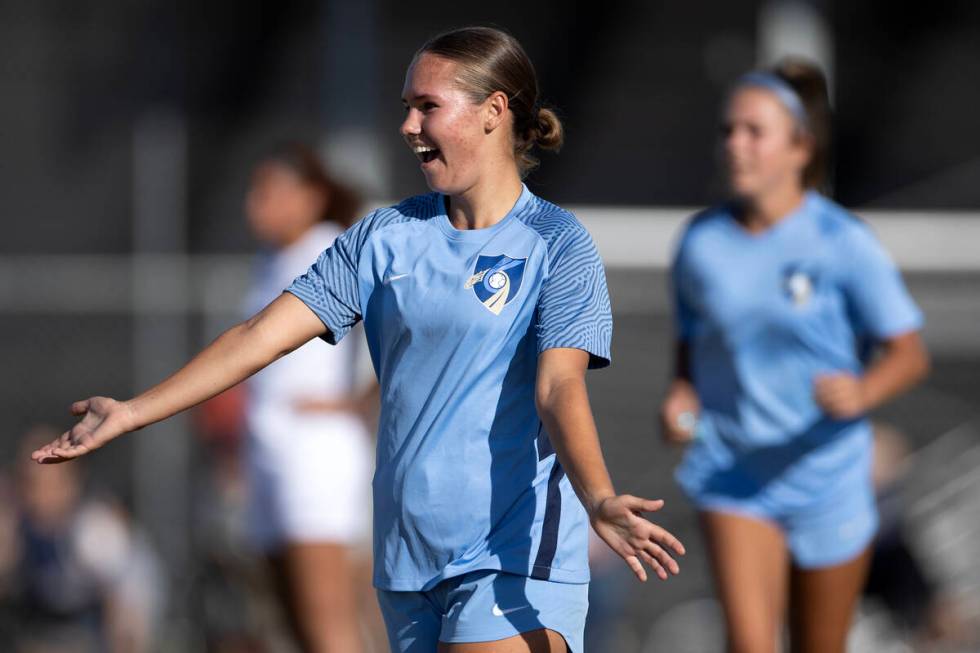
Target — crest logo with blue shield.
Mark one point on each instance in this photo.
(496, 280)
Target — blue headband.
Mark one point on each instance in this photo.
(781, 89)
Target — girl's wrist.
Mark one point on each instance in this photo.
(595, 503)
(866, 394)
(131, 415)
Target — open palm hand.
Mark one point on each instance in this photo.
(102, 420)
(618, 521)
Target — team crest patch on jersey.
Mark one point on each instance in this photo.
(798, 284)
(496, 280)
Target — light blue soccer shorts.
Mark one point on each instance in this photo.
(483, 606)
(831, 529)
(821, 498)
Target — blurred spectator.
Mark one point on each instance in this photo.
(75, 575)
(896, 577)
(918, 611)
(236, 603)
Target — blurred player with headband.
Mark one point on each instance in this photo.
(781, 295)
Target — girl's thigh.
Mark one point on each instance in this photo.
(751, 566)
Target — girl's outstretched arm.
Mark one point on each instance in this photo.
(563, 405)
(239, 352)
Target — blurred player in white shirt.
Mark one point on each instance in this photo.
(309, 451)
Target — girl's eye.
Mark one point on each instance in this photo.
(424, 107)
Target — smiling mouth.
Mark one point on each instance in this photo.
(425, 154)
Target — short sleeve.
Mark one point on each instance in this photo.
(874, 289)
(573, 308)
(330, 287)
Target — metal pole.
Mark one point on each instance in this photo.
(160, 304)
(351, 94)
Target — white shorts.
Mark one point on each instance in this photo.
(309, 479)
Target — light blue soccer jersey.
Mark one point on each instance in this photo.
(763, 315)
(466, 478)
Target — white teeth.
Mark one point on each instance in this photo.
(422, 149)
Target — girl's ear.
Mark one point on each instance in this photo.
(495, 109)
(806, 144)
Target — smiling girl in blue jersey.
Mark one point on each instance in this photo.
(780, 295)
(483, 306)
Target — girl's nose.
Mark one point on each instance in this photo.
(411, 125)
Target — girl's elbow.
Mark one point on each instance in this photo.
(540, 400)
(254, 336)
(917, 359)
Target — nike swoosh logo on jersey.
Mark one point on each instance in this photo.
(497, 612)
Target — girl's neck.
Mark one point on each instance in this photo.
(761, 213)
(485, 203)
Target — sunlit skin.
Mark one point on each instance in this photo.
(474, 161)
(281, 206)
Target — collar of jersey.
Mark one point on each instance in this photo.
(442, 220)
(784, 225)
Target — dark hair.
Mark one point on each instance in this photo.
(492, 60)
(810, 84)
(343, 203)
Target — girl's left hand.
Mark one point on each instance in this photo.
(841, 395)
(618, 521)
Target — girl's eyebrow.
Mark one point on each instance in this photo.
(418, 98)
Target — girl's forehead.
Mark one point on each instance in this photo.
(429, 75)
